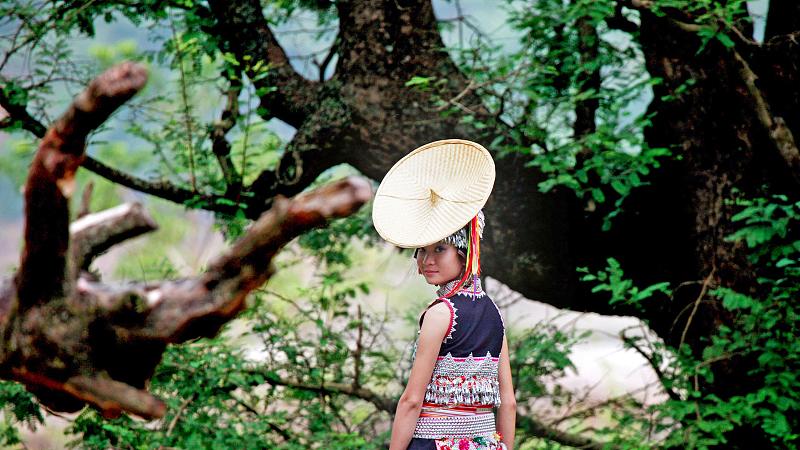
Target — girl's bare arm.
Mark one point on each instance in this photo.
(434, 327)
(507, 411)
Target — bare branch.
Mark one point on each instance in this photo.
(109, 396)
(179, 310)
(102, 343)
(72, 341)
(86, 201)
(96, 233)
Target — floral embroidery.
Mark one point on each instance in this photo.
(474, 443)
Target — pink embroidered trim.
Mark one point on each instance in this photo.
(453, 317)
(464, 358)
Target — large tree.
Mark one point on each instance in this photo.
(719, 128)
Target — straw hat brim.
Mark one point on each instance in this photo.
(432, 192)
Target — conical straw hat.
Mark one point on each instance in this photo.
(432, 192)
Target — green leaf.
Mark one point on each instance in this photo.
(419, 81)
(725, 40)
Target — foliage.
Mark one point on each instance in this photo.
(762, 337)
(622, 290)
(539, 356)
(19, 409)
(532, 94)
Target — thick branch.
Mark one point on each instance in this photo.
(382, 403)
(51, 181)
(535, 428)
(219, 144)
(101, 344)
(315, 147)
(779, 133)
(245, 33)
(84, 342)
(179, 310)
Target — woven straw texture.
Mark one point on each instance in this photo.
(432, 192)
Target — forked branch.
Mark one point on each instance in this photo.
(72, 340)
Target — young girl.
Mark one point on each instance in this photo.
(461, 369)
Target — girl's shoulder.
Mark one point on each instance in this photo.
(442, 306)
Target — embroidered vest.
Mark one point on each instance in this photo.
(466, 369)
(464, 384)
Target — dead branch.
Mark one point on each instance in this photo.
(74, 342)
(94, 234)
(86, 201)
(51, 182)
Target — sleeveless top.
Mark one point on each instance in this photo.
(465, 376)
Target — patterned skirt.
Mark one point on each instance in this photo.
(455, 428)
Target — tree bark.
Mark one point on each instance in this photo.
(719, 129)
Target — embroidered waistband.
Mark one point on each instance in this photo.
(454, 422)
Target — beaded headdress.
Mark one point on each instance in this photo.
(460, 239)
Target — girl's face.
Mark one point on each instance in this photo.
(439, 263)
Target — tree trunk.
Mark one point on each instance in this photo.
(676, 227)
